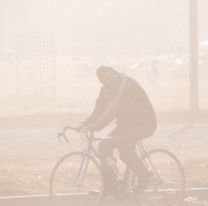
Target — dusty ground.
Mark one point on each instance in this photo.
(28, 154)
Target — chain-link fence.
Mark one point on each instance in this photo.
(203, 54)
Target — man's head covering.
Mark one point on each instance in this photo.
(107, 75)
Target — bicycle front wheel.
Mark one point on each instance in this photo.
(167, 182)
(75, 180)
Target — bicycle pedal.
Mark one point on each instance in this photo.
(77, 185)
(93, 192)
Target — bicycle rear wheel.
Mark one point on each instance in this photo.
(167, 184)
(75, 179)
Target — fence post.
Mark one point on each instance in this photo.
(193, 57)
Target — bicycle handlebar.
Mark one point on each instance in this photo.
(63, 133)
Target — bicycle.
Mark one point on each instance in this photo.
(78, 176)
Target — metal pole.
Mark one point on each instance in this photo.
(193, 56)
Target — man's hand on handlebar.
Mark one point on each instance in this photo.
(91, 129)
(79, 128)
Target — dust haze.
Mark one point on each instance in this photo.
(49, 54)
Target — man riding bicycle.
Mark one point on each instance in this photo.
(122, 99)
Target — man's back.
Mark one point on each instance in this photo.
(134, 109)
(134, 103)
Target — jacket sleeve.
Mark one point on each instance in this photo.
(102, 101)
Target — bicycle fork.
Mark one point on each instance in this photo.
(79, 180)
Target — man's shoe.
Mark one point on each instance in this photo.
(109, 189)
(143, 183)
(122, 191)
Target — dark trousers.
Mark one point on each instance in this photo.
(126, 147)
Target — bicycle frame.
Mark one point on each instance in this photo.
(85, 161)
(146, 160)
(91, 151)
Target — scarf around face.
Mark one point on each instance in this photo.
(109, 108)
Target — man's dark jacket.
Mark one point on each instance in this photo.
(133, 112)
